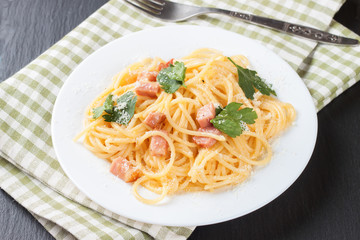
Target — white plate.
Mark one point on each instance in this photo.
(91, 175)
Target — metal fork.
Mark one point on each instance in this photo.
(175, 12)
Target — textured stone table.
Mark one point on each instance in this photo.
(324, 203)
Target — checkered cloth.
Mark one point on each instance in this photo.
(30, 172)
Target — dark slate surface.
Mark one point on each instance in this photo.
(324, 203)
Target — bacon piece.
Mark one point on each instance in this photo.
(205, 114)
(158, 146)
(123, 169)
(147, 89)
(206, 142)
(165, 65)
(147, 76)
(154, 119)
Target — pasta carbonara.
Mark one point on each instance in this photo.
(190, 124)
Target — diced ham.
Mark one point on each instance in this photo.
(154, 119)
(205, 114)
(147, 89)
(158, 146)
(147, 76)
(206, 142)
(123, 169)
(165, 65)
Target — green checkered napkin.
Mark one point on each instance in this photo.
(29, 170)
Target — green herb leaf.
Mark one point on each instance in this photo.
(248, 80)
(172, 77)
(107, 107)
(218, 109)
(109, 103)
(124, 109)
(97, 112)
(231, 120)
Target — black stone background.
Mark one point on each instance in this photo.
(324, 203)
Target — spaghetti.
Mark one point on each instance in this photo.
(210, 78)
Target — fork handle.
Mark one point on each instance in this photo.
(291, 28)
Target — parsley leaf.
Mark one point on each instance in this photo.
(248, 80)
(172, 77)
(97, 112)
(218, 110)
(124, 110)
(107, 106)
(109, 103)
(232, 121)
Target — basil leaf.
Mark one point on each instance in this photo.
(231, 120)
(248, 80)
(172, 77)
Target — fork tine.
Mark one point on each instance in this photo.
(143, 7)
(159, 2)
(145, 4)
(153, 4)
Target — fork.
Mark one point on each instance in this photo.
(171, 11)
